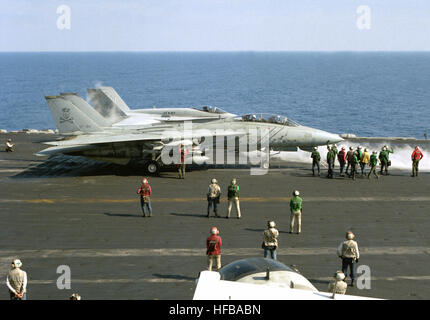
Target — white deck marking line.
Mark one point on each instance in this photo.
(187, 252)
(242, 199)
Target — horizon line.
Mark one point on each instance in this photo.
(220, 51)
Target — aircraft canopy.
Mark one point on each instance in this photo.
(210, 109)
(269, 118)
(244, 267)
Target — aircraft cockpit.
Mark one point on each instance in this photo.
(264, 271)
(242, 268)
(211, 109)
(269, 118)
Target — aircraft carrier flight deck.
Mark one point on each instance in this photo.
(90, 220)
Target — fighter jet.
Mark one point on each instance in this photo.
(150, 144)
(260, 279)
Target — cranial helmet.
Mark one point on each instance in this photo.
(339, 275)
(214, 230)
(17, 263)
(350, 235)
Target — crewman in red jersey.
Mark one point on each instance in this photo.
(145, 197)
(181, 166)
(213, 248)
(416, 156)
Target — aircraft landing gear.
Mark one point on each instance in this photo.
(152, 167)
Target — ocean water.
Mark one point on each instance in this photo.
(368, 94)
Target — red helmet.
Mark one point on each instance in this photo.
(145, 181)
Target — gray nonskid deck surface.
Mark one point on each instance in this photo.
(93, 224)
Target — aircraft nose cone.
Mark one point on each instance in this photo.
(324, 138)
(333, 138)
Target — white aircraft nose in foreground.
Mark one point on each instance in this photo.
(260, 279)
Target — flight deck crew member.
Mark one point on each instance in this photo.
(373, 162)
(364, 161)
(416, 156)
(341, 157)
(348, 252)
(145, 197)
(16, 281)
(183, 152)
(348, 159)
(330, 161)
(233, 197)
(316, 158)
(270, 240)
(335, 152)
(213, 249)
(296, 212)
(338, 285)
(384, 157)
(359, 151)
(354, 163)
(75, 296)
(9, 145)
(213, 196)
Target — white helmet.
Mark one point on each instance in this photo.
(339, 275)
(214, 230)
(214, 180)
(296, 193)
(233, 181)
(17, 263)
(271, 224)
(350, 235)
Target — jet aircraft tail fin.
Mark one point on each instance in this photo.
(68, 118)
(84, 106)
(108, 103)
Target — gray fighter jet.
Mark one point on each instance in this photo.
(156, 142)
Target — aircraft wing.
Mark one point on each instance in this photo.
(91, 141)
(210, 287)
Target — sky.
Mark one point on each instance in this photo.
(215, 25)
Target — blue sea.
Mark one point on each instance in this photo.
(368, 94)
